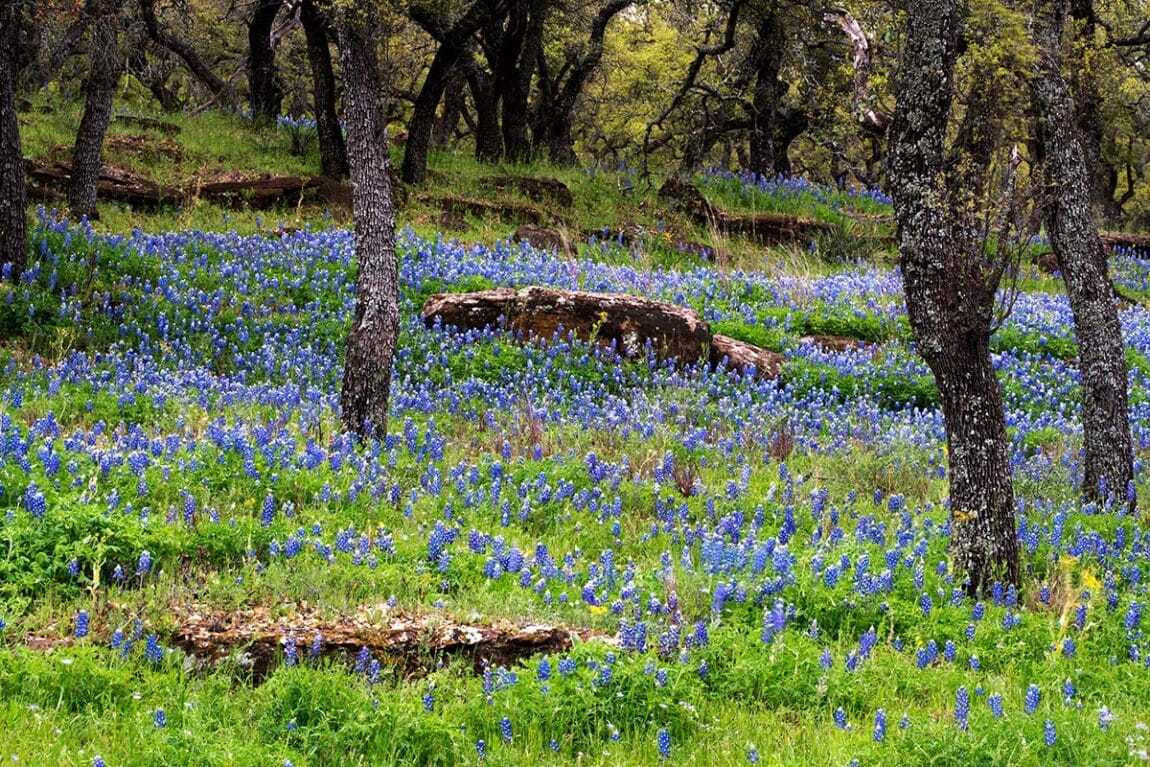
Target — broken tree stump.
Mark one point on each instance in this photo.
(626, 322)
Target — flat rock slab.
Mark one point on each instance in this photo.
(627, 322)
(747, 359)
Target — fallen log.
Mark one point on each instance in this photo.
(1126, 240)
(413, 644)
(50, 182)
(626, 322)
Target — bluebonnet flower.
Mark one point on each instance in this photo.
(160, 718)
(879, 726)
(826, 661)
(841, 719)
(961, 707)
(481, 748)
(291, 656)
(81, 624)
(664, 743)
(753, 755)
(429, 699)
(1069, 649)
(994, 700)
(505, 729)
(1048, 733)
(152, 650)
(144, 565)
(1033, 696)
(1105, 718)
(904, 722)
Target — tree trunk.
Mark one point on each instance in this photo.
(556, 107)
(374, 328)
(513, 51)
(265, 92)
(13, 202)
(99, 90)
(422, 121)
(949, 302)
(1082, 260)
(454, 102)
(1088, 115)
(332, 149)
(453, 45)
(488, 144)
(772, 130)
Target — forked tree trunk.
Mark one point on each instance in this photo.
(1082, 260)
(104, 69)
(13, 203)
(374, 328)
(332, 148)
(517, 84)
(265, 93)
(949, 303)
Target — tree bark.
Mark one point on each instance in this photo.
(13, 202)
(1082, 260)
(949, 301)
(374, 331)
(332, 148)
(105, 66)
(265, 91)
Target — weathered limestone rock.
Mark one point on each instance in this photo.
(627, 322)
(745, 358)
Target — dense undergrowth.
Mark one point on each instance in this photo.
(767, 558)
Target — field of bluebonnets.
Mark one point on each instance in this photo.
(758, 569)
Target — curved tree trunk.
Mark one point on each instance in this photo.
(517, 84)
(949, 303)
(374, 329)
(13, 203)
(332, 148)
(1082, 260)
(265, 93)
(104, 70)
